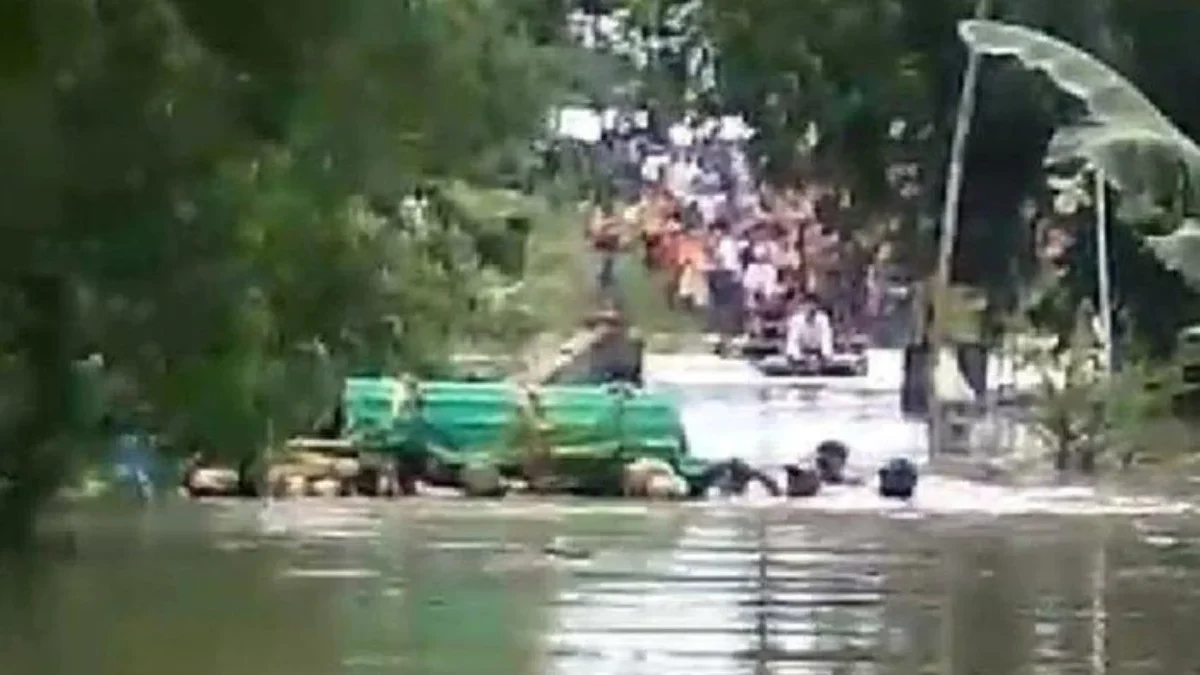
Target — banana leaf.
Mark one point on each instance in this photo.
(1180, 250)
(1140, 152)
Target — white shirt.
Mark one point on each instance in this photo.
(761, 277)
(805, 334)
(728, 256)
(679, 178)
(652, 168)
(681, 135)
(710, 206)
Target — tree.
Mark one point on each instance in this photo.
(235, 204)
(1147, 159)
(860, 93)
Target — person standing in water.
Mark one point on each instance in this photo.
(809, 333)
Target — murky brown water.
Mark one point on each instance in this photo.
(427, 587)
(966, 580)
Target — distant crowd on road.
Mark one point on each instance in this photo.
(725, 244)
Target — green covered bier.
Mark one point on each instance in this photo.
(583, 433)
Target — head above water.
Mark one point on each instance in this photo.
(833, 448)
(898, 479)
(831, 461)
(801, 482)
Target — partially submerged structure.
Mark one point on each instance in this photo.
(552, 438)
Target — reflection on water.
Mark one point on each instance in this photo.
(730, 409)
(429, 586)
(965, 580)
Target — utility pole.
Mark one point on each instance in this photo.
(950, 215)
(1102, 271)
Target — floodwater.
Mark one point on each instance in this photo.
(966, 580)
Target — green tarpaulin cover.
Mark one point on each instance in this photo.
(469, 418)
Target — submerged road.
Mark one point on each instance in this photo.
(730, 409)
(967, 579)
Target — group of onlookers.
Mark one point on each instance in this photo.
(724, 244)
(739, 261)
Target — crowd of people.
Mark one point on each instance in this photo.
(741, 254)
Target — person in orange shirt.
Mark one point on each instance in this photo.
(654, 217)
(668, 256)
(692, 288)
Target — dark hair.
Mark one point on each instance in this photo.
(831, 461)
(832, 448)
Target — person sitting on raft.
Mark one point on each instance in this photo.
(809, 333)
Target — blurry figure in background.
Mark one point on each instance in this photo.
(809, 333)
(605, 233)
(872, 297)
(690, 218)
(681, 134)
(692, 286)
(681, 173)
(761, 279)
(653, 217)
(654, 167)
(670, 257)
(133, 459)
(724, 285)
(706, 187)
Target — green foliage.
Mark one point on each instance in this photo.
(1179, 250)
(1136, 147)
(862, 93)
(1123, 134)
(837, 68)
(1086, 416)
(1068, 413)
(242, 203)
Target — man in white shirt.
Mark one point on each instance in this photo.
(809, 333)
